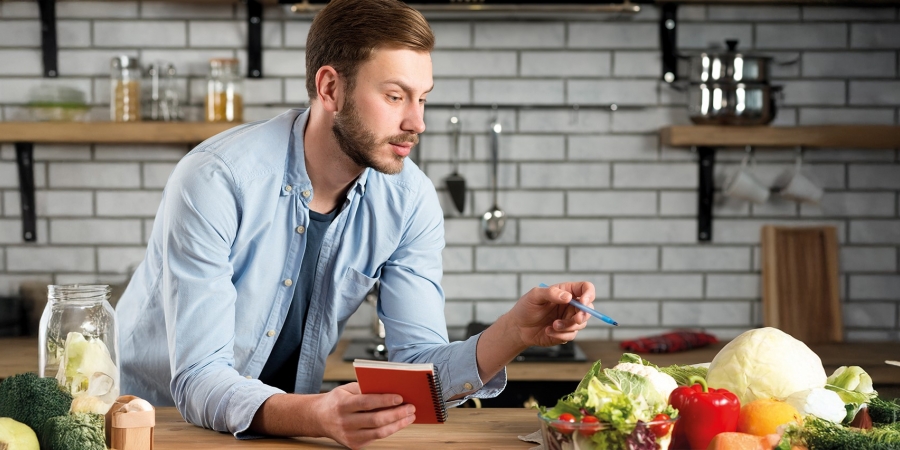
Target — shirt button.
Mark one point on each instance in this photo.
(305, 193)
(468, 386)
(270, 333)
(288, 282)
(301, 229)
(248, 377)
(288, 188)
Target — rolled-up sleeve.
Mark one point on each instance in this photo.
(411, 305)
(200, 215)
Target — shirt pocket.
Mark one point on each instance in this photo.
(352, 292)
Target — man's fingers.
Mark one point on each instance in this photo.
(580, 289)
(381, 418)
(370, 402)
(564, 292)
(362, 437)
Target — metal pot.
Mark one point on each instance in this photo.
(729, 66)
(731, 104)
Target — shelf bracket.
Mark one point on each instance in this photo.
(48, 37)
(705, 192)
(254, 39)
(668, 41)
(25, 161)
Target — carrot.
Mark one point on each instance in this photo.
(739, 441)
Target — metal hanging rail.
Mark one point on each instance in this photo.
(475, 6)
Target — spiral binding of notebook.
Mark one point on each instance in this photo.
(437, 394)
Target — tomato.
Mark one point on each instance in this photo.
(590, 425)
(562, 427)
(661, 429)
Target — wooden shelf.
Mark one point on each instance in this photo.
(831, 136)
(785, 2)
(110, 132)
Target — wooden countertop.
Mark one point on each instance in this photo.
(466, 428)
(18, 355)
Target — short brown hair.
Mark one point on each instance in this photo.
(346, 32)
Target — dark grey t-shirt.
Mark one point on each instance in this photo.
(281, 368)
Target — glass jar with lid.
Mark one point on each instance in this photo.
(78, 344)
(125, 89)
(224, 91)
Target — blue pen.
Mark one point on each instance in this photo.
(588, 310)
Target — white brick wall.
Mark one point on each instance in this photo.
(868, 259)
(589, 191)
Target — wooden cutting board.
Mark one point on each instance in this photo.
(801, 291)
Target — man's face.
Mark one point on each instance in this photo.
(381, 118)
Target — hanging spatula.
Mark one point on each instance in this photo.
(456, 184)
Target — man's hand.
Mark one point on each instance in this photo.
(354, 419)
(543, 317)
(344, 414)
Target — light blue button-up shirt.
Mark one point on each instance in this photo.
(205, 307)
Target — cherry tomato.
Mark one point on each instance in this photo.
(661, 429)
(590, 425)
(564, 428)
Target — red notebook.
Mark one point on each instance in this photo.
(418, 384)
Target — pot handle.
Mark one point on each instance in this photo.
(789, 62)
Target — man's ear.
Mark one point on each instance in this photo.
(329, 88)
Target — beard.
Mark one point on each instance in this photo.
(360, 144)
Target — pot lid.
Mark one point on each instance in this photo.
(732, 51)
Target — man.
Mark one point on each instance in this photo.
(269, 235)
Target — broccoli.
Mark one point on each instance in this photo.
(884, 411)
(821, 434)
(82, 431)
(30, 399)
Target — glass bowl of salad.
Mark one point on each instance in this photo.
(586, 432)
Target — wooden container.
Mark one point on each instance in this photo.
(129, 424)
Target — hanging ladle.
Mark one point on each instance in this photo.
(494, 219)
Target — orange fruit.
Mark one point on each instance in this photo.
(765, 415)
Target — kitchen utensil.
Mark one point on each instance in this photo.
(729, 66)
(801, 293)
(456, 184)
(892, 363)
(743, 185)
(796, 186)
(732, 104)
(493, 221)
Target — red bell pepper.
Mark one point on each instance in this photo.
(703, 413)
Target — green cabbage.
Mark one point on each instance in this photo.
(765, 363)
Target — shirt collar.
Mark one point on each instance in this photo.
(296, 178)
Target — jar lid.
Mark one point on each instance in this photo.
(124, 62)
(221, 62)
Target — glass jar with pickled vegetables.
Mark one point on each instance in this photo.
(124, 89)
(224, 91)
(78, 344)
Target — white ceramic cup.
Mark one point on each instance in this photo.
(743, 185)
(799, 187)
